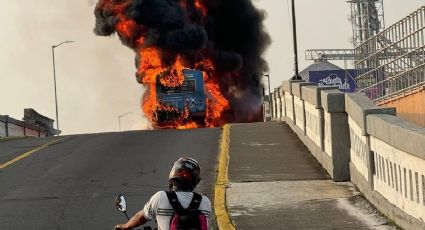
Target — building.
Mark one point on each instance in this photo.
(32, 125)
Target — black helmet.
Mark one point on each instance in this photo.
(185, 173)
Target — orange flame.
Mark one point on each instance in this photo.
(190, 125)
(125, 27)
(216, 104)
(174, 77)
(149, 67)
(201, 7)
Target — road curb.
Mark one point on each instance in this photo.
(223, 220)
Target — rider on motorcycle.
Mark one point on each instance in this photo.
(184, 177)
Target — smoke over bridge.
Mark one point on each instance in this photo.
(224, 39)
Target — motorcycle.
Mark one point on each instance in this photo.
(121, 205)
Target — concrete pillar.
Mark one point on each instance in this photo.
(336, 133)
(289, 100)
(271, 106)
(297, 92)
(282, 103)
(312, 95)
(358, 107)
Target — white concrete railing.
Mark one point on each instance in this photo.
(358, 149)
(278, 105)
(282, 103)
(312, 123)
(399, 177)
(355, 140)
(273, 106)
(397, 148)
(289, 106)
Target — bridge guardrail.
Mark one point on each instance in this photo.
(398, 159)
(356, 140)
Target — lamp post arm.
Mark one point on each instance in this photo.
(54, 46)
(119, 119)
(125, 114)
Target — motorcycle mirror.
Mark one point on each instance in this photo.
(120, 203)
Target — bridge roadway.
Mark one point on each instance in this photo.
(275, 183)
(72, 183)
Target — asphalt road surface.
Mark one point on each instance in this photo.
(72, 183)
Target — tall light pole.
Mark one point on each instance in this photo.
(54, 80)
(294, 33)
(119, 119)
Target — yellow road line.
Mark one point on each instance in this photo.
(24, 155)
(223, 220)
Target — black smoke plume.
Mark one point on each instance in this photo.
(230, 32)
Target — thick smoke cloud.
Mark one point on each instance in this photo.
(229, 32)
(189, 38)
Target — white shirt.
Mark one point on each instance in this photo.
(160, 208)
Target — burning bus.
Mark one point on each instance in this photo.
(225, 40)
(184, 102)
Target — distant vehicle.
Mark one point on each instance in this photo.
(185, 102)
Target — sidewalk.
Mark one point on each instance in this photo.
(275, 183)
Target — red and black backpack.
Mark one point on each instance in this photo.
(190, 218)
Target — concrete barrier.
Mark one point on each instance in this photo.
(358, 106)
(272, 103)
(275, 105)
(353, 139)
(299, 110)
(336, 134)
(289, 99)
(277, 93)
(283, 102)
(398, 159)
(266, 109)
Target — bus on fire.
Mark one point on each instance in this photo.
(185, 102)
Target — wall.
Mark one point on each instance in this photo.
(357, 141)
(410, 106)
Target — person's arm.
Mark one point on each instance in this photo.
(135, 221)
(143, 216)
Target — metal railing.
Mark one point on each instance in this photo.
(330, 54)
(393, 60)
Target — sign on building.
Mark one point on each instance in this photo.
(343, 79)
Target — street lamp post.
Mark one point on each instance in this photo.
(294, 34)
(119, 119)
(54, 80)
